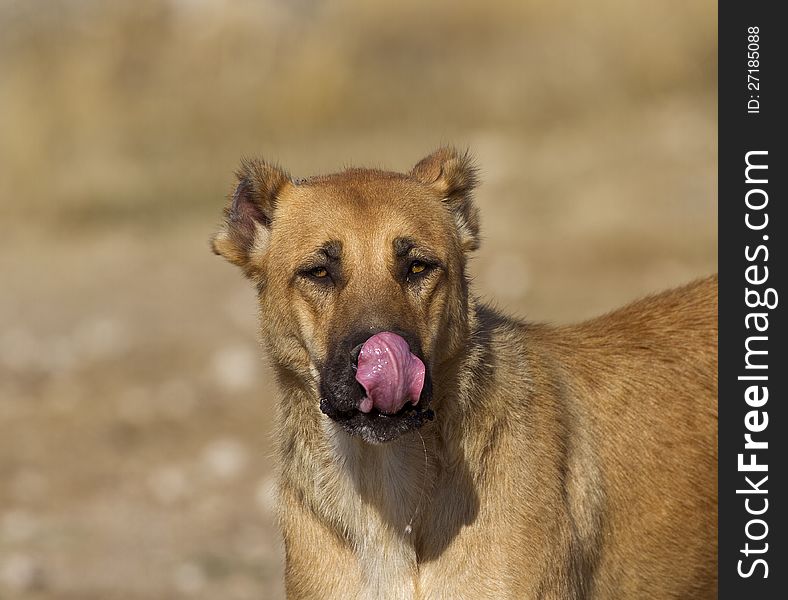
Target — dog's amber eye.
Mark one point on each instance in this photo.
(417, 267)
(319, 272)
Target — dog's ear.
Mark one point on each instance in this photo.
(454, 176)
(248, 214)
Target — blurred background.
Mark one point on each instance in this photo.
(135, 406)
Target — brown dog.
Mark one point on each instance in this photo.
(430, 447)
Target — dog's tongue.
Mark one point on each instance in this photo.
(390, 374)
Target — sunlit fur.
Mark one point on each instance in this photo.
(563, 462)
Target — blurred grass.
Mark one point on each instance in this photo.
(134, 407)
(134, 109)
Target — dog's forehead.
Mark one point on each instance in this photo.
(360, 204)
(364, 189)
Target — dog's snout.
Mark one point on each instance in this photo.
(343, 394)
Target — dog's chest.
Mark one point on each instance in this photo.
(382, 546)
(381, 493)
(388, 567)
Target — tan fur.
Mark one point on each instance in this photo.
(563, 462)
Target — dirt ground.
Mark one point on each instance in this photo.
(135, 403)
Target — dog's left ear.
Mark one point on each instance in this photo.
(454, 176)
(250, 211)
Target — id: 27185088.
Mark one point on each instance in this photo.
(753, 70)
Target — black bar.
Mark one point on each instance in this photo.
(751, 128)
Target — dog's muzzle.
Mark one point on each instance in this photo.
(377, 385)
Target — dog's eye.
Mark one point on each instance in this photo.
(321, 275)
(417, 270)
(417, 267)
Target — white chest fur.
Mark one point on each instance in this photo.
(378, 493)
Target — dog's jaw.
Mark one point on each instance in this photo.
(377, 428)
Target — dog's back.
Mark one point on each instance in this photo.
(639, 386)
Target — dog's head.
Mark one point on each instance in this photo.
(361, 280)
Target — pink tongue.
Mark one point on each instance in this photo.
(389, 373)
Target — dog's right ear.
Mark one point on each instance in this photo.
(249, 212)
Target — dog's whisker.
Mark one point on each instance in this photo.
(409, 526)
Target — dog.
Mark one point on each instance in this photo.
(430, 447)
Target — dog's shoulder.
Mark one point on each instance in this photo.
(662, 347)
